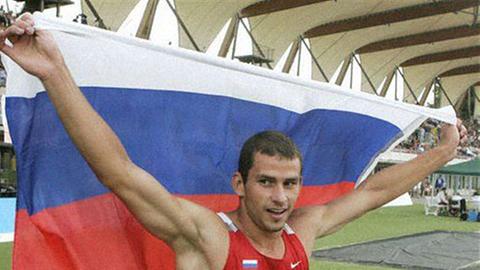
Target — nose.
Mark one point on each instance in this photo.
(279, 196)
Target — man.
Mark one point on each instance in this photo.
(265, 231)
(442, 199)
(439, 184)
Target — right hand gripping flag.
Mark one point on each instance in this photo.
(182, 116)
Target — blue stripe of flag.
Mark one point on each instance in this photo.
(189, 141)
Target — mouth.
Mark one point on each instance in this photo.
(277, 213)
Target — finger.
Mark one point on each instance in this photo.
(459, 122)
(25, 25)
(31, 23)
(444, 126)
(12, 31)
(28, 29)
(26, 22)
(4, 47)
(7, 50)
(463, 131)
(447, 126)
(27, 16)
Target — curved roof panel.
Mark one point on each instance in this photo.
(455, 86)
(277, 30)
(204, 19)
(112, 12)
(420, 76)
(332, 49)
(379, 64)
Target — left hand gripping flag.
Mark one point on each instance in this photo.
(183, 117)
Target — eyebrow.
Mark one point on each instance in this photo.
(264, 176)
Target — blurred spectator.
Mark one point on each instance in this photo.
(442, 197)
(439, 184)
(3, 77)
(420, 136)
(428, 135)
(429, 140)
(426, 188)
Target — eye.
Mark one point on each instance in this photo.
(290, 183)
(265, 181)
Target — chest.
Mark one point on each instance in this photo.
(267, 264)
(243, 255)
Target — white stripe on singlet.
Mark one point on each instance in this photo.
(231, 226)
(228, 221)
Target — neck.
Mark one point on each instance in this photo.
(266, 242)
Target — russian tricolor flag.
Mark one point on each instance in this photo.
(249, 264)
(183, 117)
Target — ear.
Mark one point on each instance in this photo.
(300, 184)
(238, 185)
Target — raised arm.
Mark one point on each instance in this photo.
(179, 222)
(379, 188)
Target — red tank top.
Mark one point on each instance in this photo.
(242, 255)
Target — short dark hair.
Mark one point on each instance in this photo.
(271, 143)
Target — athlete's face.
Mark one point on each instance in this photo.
(271, 190)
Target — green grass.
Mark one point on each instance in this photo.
(380, 224)
(5, 255)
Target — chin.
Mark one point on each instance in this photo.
(276, 227)
(272, 229)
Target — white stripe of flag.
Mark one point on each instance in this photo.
(249, 264)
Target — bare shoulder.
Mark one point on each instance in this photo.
(212, 244)
(306, 222)
(303, 216)
(318, 221)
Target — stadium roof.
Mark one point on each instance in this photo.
(112, 12)
(433, 41)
